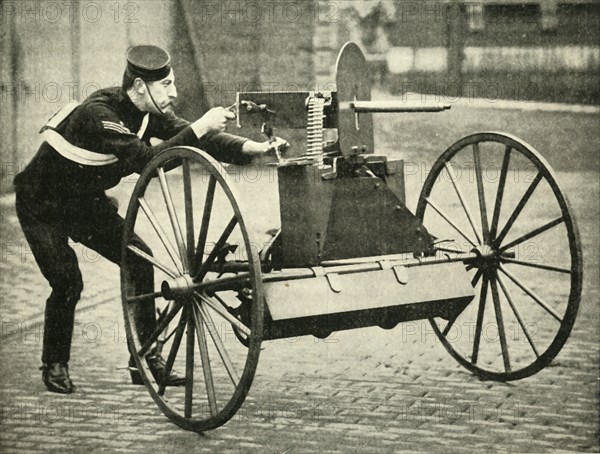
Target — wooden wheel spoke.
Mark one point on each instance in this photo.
(533, 233)
(217, 249)
(481, 193)
(165, 269)
(160, 327)
(532, 294)
(208, 203)
(479, 323)
(518, 209)
(447, 219)
(173, 217)
(476, 278)
(214, 334)
(450, 323)
(222, 311)
(164, 336)
(174, 350)
(445, 249)
(537, 265)
(164, 340)
(189, 211)
(464, 204)
(204, 356)
(517, 315)
(500, 324)
(161, 233)
(189, 366)
(500, 193)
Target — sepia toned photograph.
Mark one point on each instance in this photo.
(299, 226)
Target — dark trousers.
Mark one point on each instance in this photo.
(93, 221)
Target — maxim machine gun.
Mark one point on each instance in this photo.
(349, 253)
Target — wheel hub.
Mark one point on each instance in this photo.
(180, 286)
(488, 257)
(486, 251)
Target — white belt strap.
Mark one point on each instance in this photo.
(76, 154)
(72, 152)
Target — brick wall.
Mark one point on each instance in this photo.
(230, 46)
(527, 50)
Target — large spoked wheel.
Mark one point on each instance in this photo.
(528, 270)
(193, 295)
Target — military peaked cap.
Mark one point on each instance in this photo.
(148, 62)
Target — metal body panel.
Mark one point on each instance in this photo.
(384, 317)
(345, 217)
(395, 178)
(366, 219)
(314, 297)
(305, 203)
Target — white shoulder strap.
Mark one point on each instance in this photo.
(143, 126)
(59, 116)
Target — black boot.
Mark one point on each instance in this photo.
(56, 378)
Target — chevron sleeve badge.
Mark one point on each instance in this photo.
(116, 127)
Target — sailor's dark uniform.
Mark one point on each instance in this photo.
(60, 196)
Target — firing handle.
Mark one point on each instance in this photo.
(396, 106)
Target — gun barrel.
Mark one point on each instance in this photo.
(396, 106)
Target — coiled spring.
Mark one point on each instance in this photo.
(316, 106)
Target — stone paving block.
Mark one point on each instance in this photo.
(129, 436)
(16, 444)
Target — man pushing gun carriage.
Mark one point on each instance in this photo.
(88, 148)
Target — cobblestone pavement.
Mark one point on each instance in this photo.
(357, 391)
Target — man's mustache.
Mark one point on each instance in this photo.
(170, 105)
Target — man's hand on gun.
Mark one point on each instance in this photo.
(215, 120)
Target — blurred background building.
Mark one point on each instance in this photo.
(54, 52)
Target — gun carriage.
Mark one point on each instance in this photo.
(348, 253)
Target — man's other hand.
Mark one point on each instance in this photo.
(277, 144)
